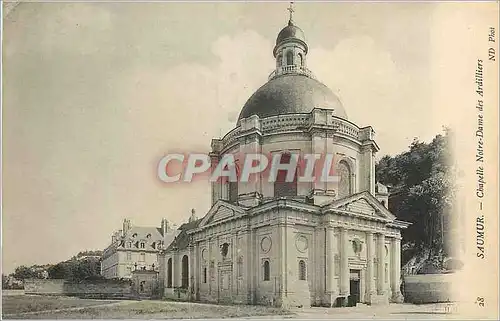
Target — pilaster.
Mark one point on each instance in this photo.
(250, 262)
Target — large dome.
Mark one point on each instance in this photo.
(291, 94)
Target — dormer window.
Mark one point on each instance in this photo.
(134, 235)
(148, 236)
(143, 245)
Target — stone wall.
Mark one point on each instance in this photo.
(428, 288)
(87, 289)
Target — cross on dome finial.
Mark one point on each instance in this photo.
(290, 9)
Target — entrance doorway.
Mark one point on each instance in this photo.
(355, 288)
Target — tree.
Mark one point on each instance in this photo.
(23, 272)
(86, 269)
(5, 282)
(422, 192)
(62, 270)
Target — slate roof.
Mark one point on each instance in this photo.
(291, 94)
(181, 241)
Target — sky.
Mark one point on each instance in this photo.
(96, 93)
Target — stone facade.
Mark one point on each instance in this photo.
(300, 243)
(145, 283)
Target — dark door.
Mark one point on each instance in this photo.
(355, 290)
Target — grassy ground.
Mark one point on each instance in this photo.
(30, 303)
(134, 310)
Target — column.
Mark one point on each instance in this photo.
(176, 269)
(331, 249)
(370, 277)
(396, 270)
(344, 262)
(194, 269)
(381, 263)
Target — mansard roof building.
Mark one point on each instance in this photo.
(135, 247)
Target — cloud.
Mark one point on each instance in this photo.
(70, 28)
(191, 103)
(374, 89)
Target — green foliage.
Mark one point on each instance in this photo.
(422, 192)
(81, 254)
(4, 281)
(76, 270)
(86, 265)
(24, 272)
(62, 270)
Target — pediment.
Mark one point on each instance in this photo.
(362, 203)
(221, 211)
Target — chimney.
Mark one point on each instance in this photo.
(193, 216)
(126, 226)
(165, 227)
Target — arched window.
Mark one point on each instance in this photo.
(169, 273)
(281, 186)
(302, 270)
(185, 272)
(344, 171)
(301, 60)
(279, 60)
(383, 203)
(289, 58)
(267, 271)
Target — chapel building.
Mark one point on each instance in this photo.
(292, 243)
